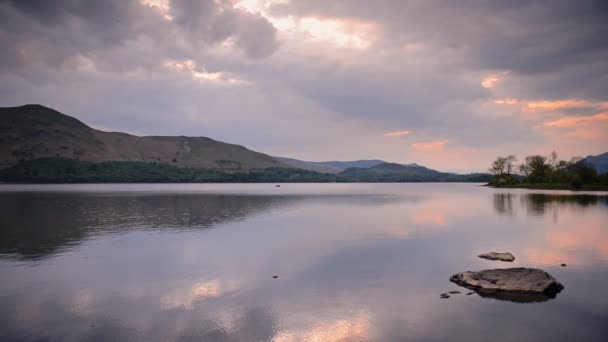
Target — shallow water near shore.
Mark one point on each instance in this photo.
(300, 262)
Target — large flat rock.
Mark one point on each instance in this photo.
(514, 284)
(498, 256)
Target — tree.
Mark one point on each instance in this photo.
(553, 159)
(499, 167)
(535, 168)
(510, 164)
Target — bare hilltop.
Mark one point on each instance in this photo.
(32, 132)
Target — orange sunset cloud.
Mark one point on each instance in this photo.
(491, 81)
(430, 146)
(572, 121)
(552, 105)
(397, 134)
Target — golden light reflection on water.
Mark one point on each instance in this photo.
(570, 243)
(356, 328)
(567, 229)
(179, 298)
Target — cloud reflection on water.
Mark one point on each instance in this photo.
(351, 267)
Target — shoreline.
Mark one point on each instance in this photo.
(551, 186)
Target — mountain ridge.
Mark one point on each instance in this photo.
(393, 172)
(334, 166)
(43, 141)
(598, 162)
(34, 131)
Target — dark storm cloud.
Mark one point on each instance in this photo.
(530, 38)
(208, 21)
(50, 32)
(526, 36)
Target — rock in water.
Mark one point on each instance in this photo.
(514, 284)
(498, 256)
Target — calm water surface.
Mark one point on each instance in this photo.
(355, 262)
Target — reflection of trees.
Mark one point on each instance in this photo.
(541, 204)
(36, 225)
(503, 203)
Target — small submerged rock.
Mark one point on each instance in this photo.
(275, 276)
(564, 265)
(455, 292)
(444, 295)
(514, 284)
(470, 293)
(498, 256)
(277, 186)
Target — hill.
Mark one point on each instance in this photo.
(39, 144)
(391, 172)
(599, 162)
(329, 166)
(33, 131)
(308, 165)
(362, 164)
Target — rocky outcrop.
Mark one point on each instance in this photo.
(513, 284)
(498, 256)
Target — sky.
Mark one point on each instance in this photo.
(446, 84)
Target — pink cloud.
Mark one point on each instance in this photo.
(552, 104)
(572, 121)
(397, 134)
(430, 146)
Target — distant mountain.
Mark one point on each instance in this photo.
(308, 165)
(328, 166)
(362, 164)
(599, 162)
(39, 144)
(33, 131)
(391, 172)
(333, 166)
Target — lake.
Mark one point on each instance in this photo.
(300, 262)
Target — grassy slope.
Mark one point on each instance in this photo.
(58, 170)
(33, 131)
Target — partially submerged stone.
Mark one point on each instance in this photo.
(444, 295)
(498, 256)
(514, 284)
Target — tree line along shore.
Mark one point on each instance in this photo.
(546, 172)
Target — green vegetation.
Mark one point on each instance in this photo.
(58, 170)
(540, 172)
(61, 170)
(395, 173)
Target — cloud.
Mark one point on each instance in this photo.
(288, 77)
(491, 81)
(397, 134)
(572, 121)
(430, 146)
